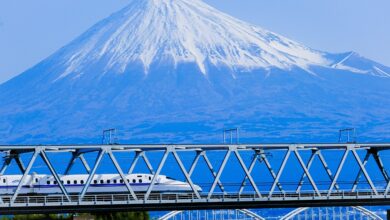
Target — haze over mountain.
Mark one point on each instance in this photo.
(181, 71)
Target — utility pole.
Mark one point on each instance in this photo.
(350, 133)
(109, 136)
(230, 133)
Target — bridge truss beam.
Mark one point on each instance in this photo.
(367, 213)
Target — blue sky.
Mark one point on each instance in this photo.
(32, 30)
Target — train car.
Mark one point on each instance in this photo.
(101, 183)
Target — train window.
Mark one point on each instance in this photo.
(81, 181)
(95, 182)
(62, 181)
(150, 178)
(108, 181)
(121, 181)
(55, 182)
(128, 180)
(75, 182)
(68, 182)
(36, 180)
(134, 181)
(3, 180)
(101, 181)
(48, 182)
(114, 181)
(140, 180)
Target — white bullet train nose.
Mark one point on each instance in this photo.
(197, 188)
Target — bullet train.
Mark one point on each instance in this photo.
(101, 183)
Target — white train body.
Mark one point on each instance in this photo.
(101, 183)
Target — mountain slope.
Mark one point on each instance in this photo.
(181, 71)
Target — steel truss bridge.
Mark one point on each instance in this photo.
(243, 176)
(354, 212)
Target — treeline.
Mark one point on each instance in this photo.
(94, 216)
(123, 215)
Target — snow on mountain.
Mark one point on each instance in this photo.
(358, 64)
(181, 71)
(178, 31)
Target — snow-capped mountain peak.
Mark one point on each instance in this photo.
(177, 31)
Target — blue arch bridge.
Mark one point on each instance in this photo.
(231, 176)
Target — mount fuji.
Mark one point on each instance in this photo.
(182, 71)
